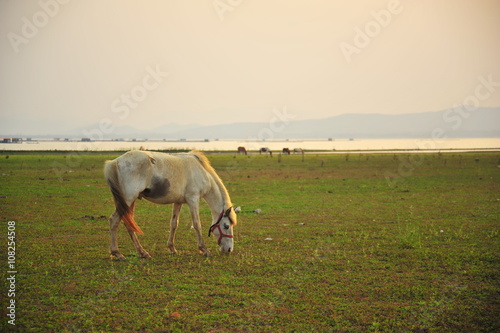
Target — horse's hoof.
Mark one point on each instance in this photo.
(145, 255)
(119, 257)
(206, 254)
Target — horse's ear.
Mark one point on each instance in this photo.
(228, 211)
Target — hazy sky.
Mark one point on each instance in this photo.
(147, 63)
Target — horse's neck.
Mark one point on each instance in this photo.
(217, 197)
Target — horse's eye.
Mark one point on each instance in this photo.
(226, 226)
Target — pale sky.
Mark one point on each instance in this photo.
(147, 63)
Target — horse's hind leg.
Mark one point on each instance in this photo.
(143, 253)
(133, 236)
(174, 223)
(114, 223)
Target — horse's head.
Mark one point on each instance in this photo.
(223, 230)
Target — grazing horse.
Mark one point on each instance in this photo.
(168, 179)
(286, 151)
(242, 150)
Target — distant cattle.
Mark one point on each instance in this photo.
(242, 150)
(286, 151)
(297, 150)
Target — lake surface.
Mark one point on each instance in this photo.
(232, 145)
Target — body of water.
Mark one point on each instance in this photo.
(232, 145)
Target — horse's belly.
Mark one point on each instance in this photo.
(165, 200)
(161, 191)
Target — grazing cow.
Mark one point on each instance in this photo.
(286, 151)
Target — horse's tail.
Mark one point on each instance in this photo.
(125, 211)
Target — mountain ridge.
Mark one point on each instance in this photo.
(482, 122)
(453, 123)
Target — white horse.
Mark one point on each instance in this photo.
(164, 179)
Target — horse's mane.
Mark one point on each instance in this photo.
(204, 161)
(207, 166)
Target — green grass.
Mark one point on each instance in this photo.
(360, 243)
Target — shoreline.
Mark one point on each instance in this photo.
(252, 152)
(324, 146)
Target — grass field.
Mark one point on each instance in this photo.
(344, 243)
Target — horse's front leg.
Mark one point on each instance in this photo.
(195, 215)
(174, 223)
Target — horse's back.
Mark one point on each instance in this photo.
(160, 177)
(142, 160)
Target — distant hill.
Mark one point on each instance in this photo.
(451, 123)
(481, 122)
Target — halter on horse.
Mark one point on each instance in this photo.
(216, 225)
